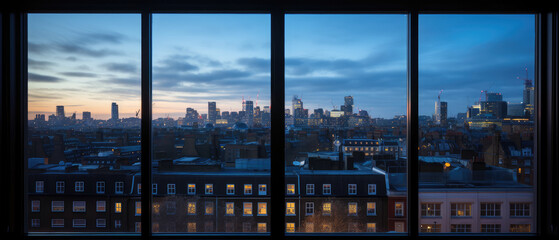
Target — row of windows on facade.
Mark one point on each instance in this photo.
(208, 189)
(209, 208)
(486, 228)
(465, 209)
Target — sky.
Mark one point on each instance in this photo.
(87, 61)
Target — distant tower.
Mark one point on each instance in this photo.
(212, 112)
(114, 111)
(528, 97)
(60, 112)
(348, 105)
(441, 110)
(248, 108)
(86, 116)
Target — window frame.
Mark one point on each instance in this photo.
(543, 195)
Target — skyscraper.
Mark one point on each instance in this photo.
(248, 108)
(528, 97)
(86, 116)
(114, 111)
(212, 112)
(441, 110)
(348, 105)
(299, 117)
(60, 112)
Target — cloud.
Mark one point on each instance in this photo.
(37, 47)
(101, 37)
(79, 49)
(130, 82)
(79, 74)
(33, 77)
(255, 64)
(121, 67)
(37, 64)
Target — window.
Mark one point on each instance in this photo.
(247, 227)
(460, 227)
(461, 209)
(290, 209)
(139, 188)
(79, 206)
(430, 228)
(290, 227)
(490, 228)
(230, 209)
(57, 223)
(100, 187)
(191, 208)
(399, 209)
(490, 209)
(520, 228)
(35, 223)
(78, 223)
(247, 209)
(327, 208)
(372, 189)
(137, 227)
(309, 208)
(191, 189)
(191, 227)
(310, 189)
(352, 209)
(154, 188)
(261, 189)
(519, 209)
(371, 227)
(101, 206)
(209, 208)
(118, 207)
(248, 189)
(138, 208)
(352, 189)
(59, 186)
(326, 227)
(119, 187)
(39, 186)
(261, 227)
(230, 189)
(290, 189)
(326, 189)
(171, 189)
(371, 208)
(118, 224)
(156, 208)
(209, 189)
(430, 210)
(35, 206)
(262, 209)
(101, 222)
(57, 206)
(79, 186)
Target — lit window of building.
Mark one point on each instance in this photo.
(138, 208)
(262, 209)
(430, 209)
(248, 189)
(371, 208)
(262, 227)
(352, 209)
(290, 189)
(191, 189)
(118, 207)
(371, 227)
(327, 208)
(460, 209)
(209, 189)
(399, 209)
(191, 227)
(191, 208)
(290, 227)
(230, 209)
(290, 208)
(247, 209)
(230, 189)
(262, 189)
(520, 228)
(209, 208)
(309, 227)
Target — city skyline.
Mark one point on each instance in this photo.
(84, 63)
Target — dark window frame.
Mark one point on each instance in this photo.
(14, 99)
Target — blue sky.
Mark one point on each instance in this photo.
(87, 61)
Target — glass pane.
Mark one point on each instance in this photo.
(476, 123)
(211, 123)
(345, 92)
(83, 148)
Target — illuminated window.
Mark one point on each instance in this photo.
(327, 208)
(290, 227)
(209, 208)
(101, 206)
(262, 189)
(39, 186)
(156, 208)
(119, 187)
(230, 189)
(209, 189)
(371, 208)
(118, 207)
(428, 228)
(520, 228)
(430, 209)
(138, 208)
(262, 227)
(191, 208)
(262, 209)
(460, 209)
(191, 189)
(247, 209)
(57, 206)
(35, 206)
(372, 189)
(326, 189)
(352, 189)
(248, 189)
(59, 186)
(230, 209)
(100, 187)
(309, 208)
(352, 209)
(191, 227)
(399, 209)
(290, 189)
(79, 186)
(371, 227)
(171, 188)
(310, 189)
(290, 208)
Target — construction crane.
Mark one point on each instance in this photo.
(439, 97)
(137, 112)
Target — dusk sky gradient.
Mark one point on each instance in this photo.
(87, 61)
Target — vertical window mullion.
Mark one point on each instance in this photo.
(277, 187)
(412, 123)
(146, 140)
